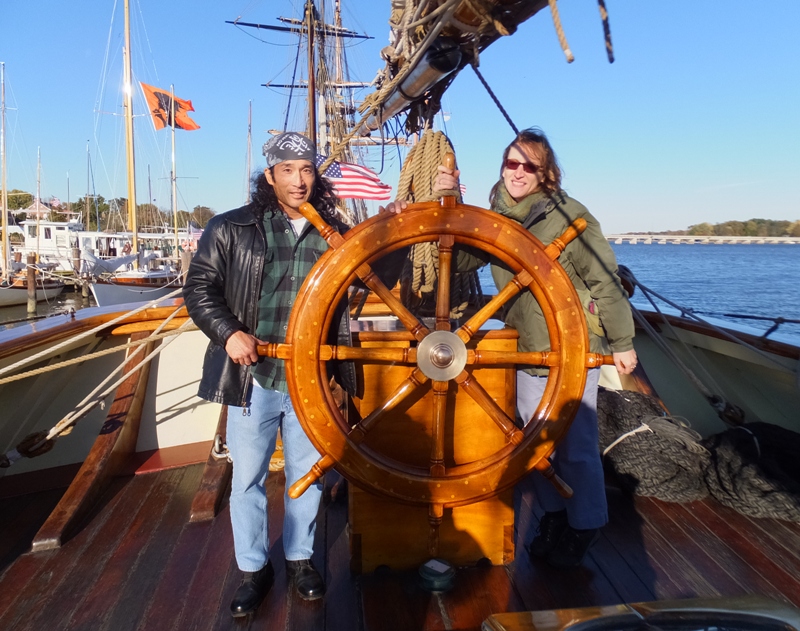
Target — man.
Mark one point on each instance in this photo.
(240, 289)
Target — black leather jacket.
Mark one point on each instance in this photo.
(221, 292)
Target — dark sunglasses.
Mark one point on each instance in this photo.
(513, 165)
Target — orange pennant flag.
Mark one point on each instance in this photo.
(160, 103)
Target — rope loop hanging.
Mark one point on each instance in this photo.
(562, 38)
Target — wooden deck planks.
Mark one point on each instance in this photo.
(151, 569)
(179, 567)
(736, 553)
(20, 519)
(143, 578)
(49, 593)
(627, 536)
(87, 598)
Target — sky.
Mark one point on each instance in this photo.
(697, 120)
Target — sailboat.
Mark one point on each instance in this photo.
(124, 522)
(14, 286)
(160, 278)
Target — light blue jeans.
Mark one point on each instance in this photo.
(251, 437)
(576, 458)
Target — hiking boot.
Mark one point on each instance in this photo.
(572, 547)
(551, 527)
(248, 596)
(306, 579)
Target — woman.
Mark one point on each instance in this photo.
(529, 192)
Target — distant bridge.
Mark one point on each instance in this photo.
(684, 238)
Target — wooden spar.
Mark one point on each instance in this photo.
(216, 475)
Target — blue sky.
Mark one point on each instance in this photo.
(697, 120)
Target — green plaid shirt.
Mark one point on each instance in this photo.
(289, 259)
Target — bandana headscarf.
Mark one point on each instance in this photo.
(288, 146)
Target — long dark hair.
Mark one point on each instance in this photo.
(322, 198)
(534, 140)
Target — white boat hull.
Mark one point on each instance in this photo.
(109, 293)
(10, 296)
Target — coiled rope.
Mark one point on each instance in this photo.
(653, 455)
(754, 470)
(419, 278)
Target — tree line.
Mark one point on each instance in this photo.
(749, 228)
(98, 213)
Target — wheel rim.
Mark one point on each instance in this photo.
(438, 355)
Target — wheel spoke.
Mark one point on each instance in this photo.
(440, 389)
(317, 471)
(468, 383)
(512, 288)
(369, 355)
(406, 388)
(546, 469)
(446, 242)
(409, 320)
(504, 358)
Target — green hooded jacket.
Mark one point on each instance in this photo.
(588, 260)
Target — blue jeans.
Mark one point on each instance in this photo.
(251, 439)
(576, 459)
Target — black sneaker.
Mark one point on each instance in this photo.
(572, 547)
(551, 527)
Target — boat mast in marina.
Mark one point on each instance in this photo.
(5, 248)
(128, 106)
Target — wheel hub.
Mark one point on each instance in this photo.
(442, 355)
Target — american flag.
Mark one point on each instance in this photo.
(353, 181)
(195, 232)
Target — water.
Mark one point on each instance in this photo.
(712, 280)
(759, 280)
(65, 302)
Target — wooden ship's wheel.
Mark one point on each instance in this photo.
(436, 359)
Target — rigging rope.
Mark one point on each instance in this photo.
(39, 443)
(374, 102)
(71, 341)
(495, 99)
(606, 30)
(562, 39)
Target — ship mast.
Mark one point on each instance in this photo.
(248, 165)
(174, 175)
(128, 101)
(3, 167)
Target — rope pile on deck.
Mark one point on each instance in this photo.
(751, 467)
(653, 455)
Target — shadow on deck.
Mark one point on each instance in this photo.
(139, 564)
